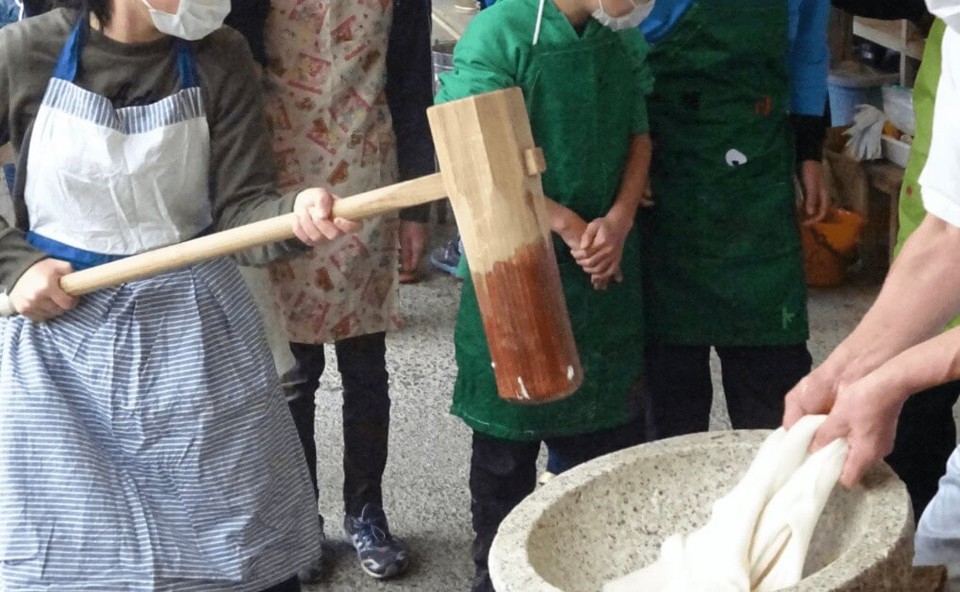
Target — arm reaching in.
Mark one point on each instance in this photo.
(893, 353)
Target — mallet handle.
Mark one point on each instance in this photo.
(211, 246)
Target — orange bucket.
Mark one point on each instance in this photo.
(830, 246)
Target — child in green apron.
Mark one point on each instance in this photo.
(736, 114)
(583, 86)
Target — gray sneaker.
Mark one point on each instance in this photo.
(381, 554)
(314, 572)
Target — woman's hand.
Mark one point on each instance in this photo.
(413, 241)
(314, 208)
(37, 294)
(816, 200)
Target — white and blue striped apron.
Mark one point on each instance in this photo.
(144, 441)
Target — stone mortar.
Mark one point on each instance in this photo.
(607, 518)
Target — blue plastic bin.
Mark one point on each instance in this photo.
(851, 84)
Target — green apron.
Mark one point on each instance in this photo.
(912, 211)
(723, 250)
(581, 93)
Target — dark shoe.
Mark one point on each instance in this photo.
(313, 573)
(381, 555)
(446, 258)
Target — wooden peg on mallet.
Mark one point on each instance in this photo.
(491, 169)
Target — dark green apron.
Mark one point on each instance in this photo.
(723, 254)
(578, 92)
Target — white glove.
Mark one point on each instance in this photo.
(865, 133)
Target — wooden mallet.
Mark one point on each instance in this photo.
(490, 169)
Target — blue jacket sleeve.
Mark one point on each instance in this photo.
(809, 57)
(808, 62)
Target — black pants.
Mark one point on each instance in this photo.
(503, 472)
(926, 436)
(291, 585)
(366, 412)
(755, 381)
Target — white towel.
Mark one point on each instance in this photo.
(758, 534)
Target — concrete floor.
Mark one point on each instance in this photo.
(425, 484)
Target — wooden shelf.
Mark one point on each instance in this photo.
(900, 36)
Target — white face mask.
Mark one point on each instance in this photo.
(628, 21)
(195, 19)
(948, 10)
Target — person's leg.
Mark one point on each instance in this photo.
(937, 541)
(926, 436)
(366, 428)
(680, 390)
(630, 434)
(291, 585)
(502, 473)
(756, 379)
(366, 419)
(300, 387)
(569, 451)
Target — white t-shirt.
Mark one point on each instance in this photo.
(948, 10)
(940, 179)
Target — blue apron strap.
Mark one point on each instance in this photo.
(78, 258)
(186, 66)
(70, 54)
(69, 59)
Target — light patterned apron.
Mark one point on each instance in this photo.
(145, 444)
(331, 126)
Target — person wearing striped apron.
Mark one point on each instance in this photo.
(144, 440)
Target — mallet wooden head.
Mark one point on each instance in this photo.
(491, 170)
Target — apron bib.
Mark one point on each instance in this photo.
(144, 440)
(331, 127)
(583, 120)
(723, 248)
(108, 184)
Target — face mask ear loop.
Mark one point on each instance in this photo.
(536, 31)
(22, 9)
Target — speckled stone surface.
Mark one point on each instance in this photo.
(607, 518)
